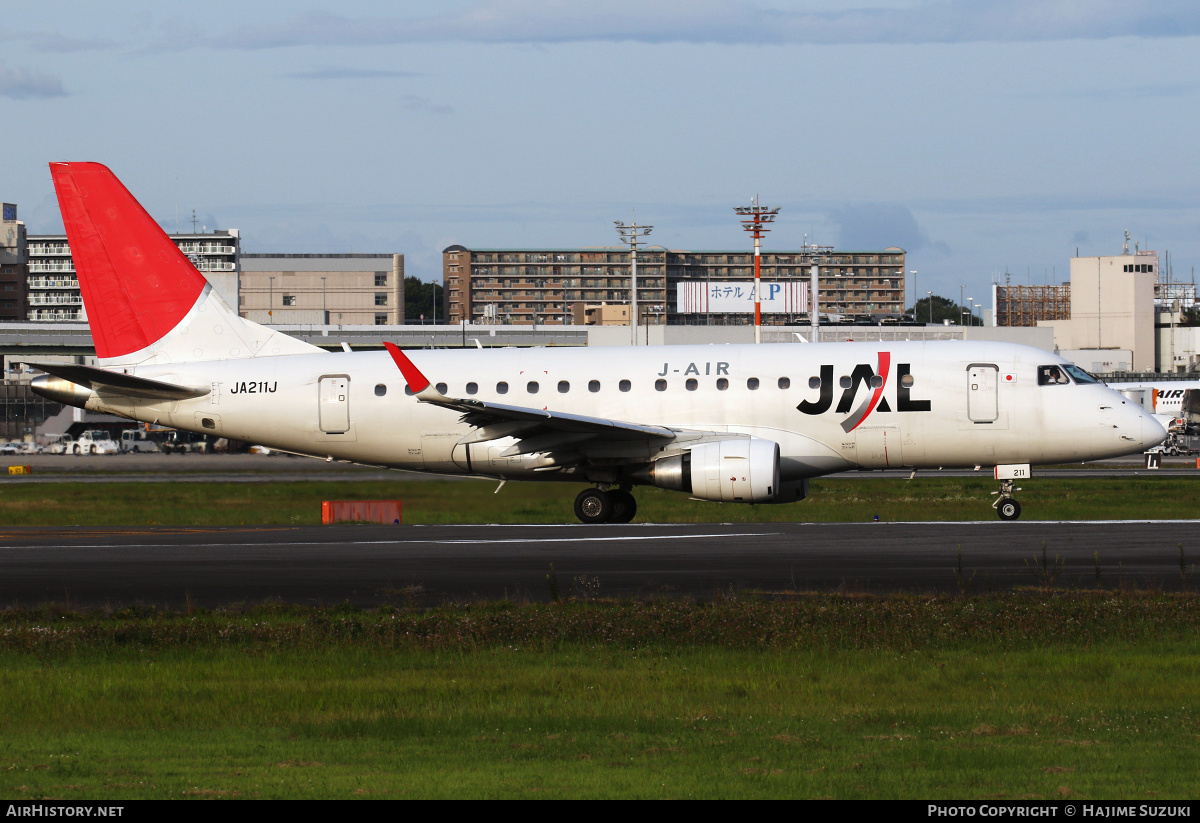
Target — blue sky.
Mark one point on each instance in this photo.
(981, 136)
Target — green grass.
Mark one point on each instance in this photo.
(833, 499)
(1080, 695)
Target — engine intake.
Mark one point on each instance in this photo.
(744, 470)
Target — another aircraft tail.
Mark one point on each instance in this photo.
(145, 301)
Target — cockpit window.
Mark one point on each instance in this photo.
(1052, 376)
(1080, 375)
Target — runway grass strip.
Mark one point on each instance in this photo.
(1064, 695)
(183, 503)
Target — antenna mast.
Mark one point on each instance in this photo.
(754, 219)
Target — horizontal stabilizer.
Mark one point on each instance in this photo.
(102, 381)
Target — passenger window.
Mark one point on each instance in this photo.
(814, 382)
(1052, 376)
(752, 383)
(722, 384)
(660, 385)
(380, 390)
(624, 385)
(785, 382)
(442, 388)
(876, 381)
(845, 382)
(594, 386)
(472, 388)
(408, 390)
(532, 387)
(563, 387)
(501, 388)
(906, 381)
(691, 384)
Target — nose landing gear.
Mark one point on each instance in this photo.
(605, 506)
(1006, 507)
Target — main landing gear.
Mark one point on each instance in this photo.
(1005, 506)
(605, 506)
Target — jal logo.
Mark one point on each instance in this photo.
(875, 380)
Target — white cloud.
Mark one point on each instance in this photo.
(734, 22)
(22, 84)
(341, 73)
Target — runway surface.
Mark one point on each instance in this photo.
(371, 565)
(252, 468)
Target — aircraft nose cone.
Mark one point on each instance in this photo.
(1152, 431)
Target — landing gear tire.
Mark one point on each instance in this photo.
(624, 506)
(1008, 509)
(593, 506)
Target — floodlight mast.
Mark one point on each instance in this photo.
(753, 220)
(632, 236)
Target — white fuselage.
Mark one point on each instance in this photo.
(969, 404)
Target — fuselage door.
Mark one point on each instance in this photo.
(981, 392)
(334, 404)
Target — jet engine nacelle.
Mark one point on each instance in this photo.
(744, 470)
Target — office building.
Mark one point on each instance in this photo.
(12, 264)
(323, 289)
(1112, 310)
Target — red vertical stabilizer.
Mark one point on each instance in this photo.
(137, 285)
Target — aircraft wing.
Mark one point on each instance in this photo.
(539, 430)
(102, 380)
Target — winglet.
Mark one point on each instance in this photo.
(412, 375)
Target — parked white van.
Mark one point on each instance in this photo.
(137, 440)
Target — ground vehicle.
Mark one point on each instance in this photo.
(95, 441)
(136, 440)
(183, 442)
(18, 447)
(1177, 444)
(59, 444)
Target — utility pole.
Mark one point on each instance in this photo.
(754, 219)
(631, 236)
(271, 299)
(324, 310)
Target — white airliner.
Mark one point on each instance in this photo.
(746, 424)
(1176, 403)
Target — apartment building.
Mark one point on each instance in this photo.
(53, 288)
(534, 286)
